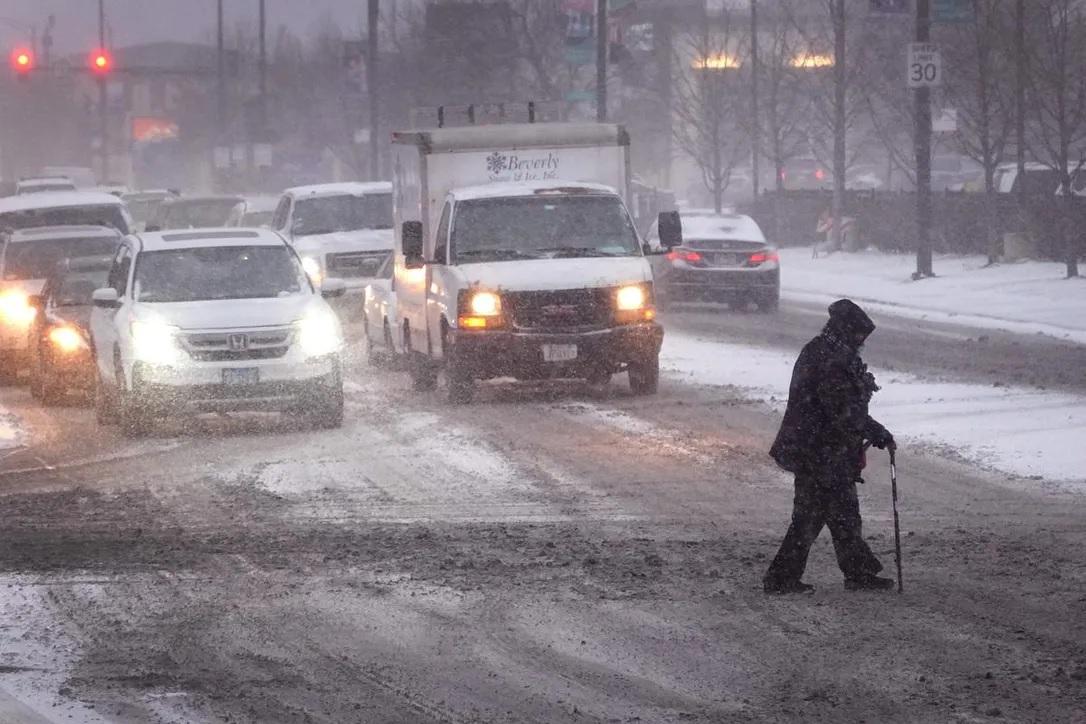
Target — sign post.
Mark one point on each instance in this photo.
(925, 71)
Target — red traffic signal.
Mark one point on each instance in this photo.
(100, 62)
(22, 60)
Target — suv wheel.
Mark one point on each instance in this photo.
(645, 375)
(326, 402)
(135, 418)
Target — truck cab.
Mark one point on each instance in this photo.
(530, 278)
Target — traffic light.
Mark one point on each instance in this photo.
(22, 61)
(100, 62)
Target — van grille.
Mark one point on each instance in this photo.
(568, 310)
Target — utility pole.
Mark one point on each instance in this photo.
(103, 96)
(923, 154)
(601, 61)
(1020, 96)
(373, 15)
(263, 61)
(756, 124)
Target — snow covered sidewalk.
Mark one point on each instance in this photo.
(1027, 297)
(1021, 432)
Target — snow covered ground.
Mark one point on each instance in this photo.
(11, 431)
(1028, 297)
(1022, 432)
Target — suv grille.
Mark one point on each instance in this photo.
(568, 310)
(355, 264)
(238, 345)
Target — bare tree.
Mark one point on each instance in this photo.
(708, 126)
(1057, 98)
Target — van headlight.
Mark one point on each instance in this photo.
(486, 304)
(155, 342)
(318, 334)
(633, 303)
(15, 308)
(312, 267)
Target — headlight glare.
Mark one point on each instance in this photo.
(312, 268)
(486, 304)
(15, 308)
(154, 342)
(67, 339)
(630, 298)
(318, 334)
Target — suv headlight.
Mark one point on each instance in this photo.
(318, 334)
(154, 342)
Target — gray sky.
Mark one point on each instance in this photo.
(138, 21)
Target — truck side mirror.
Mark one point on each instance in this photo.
(671, 229)
(411, 236)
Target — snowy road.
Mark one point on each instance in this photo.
(548, 554)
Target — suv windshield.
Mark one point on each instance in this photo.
(542, 228)
(199, 214)
(37, 259)
(76, 288)
(328, 214)
(96, 215)
(218, 272)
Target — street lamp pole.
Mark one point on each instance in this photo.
(923, 154)
(756, 125)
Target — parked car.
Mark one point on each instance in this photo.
(1040, 179)
(193, 212)
(143, 205)
(222, 320)
(40, 184)
(60, 358)
(380, 319)
(64, 208)
(28, 257)
(723, 258)
(806, 173)
(254, 211)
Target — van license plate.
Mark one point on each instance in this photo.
(245, 376)
(559, 352)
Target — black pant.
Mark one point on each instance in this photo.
(824, 499)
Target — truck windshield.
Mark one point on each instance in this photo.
(542, 228)
(329, 214)
(37, 259)
(218, 272)
(94, 215)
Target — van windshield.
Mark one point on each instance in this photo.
(37, 259)
(218, 272)
(93, 215)
(540, 227)
(346, 212)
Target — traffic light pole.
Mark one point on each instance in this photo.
(923, 155)
(103, 111)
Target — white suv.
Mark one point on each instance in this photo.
(214, 320)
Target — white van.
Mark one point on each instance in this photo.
(515, 256)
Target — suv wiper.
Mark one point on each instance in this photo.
(573, 252)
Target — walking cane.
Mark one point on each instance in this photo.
(897, 525)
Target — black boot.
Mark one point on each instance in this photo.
(784, 587)
(869, 582)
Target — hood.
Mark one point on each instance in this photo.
(232, 313)
(553, 274)
(343, 241)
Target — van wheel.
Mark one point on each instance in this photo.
(645, 375)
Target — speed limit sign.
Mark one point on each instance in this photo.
(925, 66)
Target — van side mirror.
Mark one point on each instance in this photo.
(671, 229)
(106, 297)
(411, 236)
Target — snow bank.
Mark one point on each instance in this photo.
(1017, 431)
(11, 430)
(1029, 297)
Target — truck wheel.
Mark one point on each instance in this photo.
(460, 383)
(645, 375)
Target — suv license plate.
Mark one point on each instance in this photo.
(245, 376)
(559, 352)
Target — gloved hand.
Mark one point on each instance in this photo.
(883, 440)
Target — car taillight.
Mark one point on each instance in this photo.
(820, 174)
(690, 257)
(761, 257)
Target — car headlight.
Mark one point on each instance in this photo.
(630, 298)
(312, 267)
(15, 308)
(154, 342)
(67, 339)
(319, 334)
(486, 304)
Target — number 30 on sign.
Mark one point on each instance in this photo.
(925, 66)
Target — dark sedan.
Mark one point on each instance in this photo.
(60, 355)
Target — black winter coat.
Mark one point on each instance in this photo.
(826, 421)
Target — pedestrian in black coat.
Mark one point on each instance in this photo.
(823, 435)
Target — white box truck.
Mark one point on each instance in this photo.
(515, 256)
